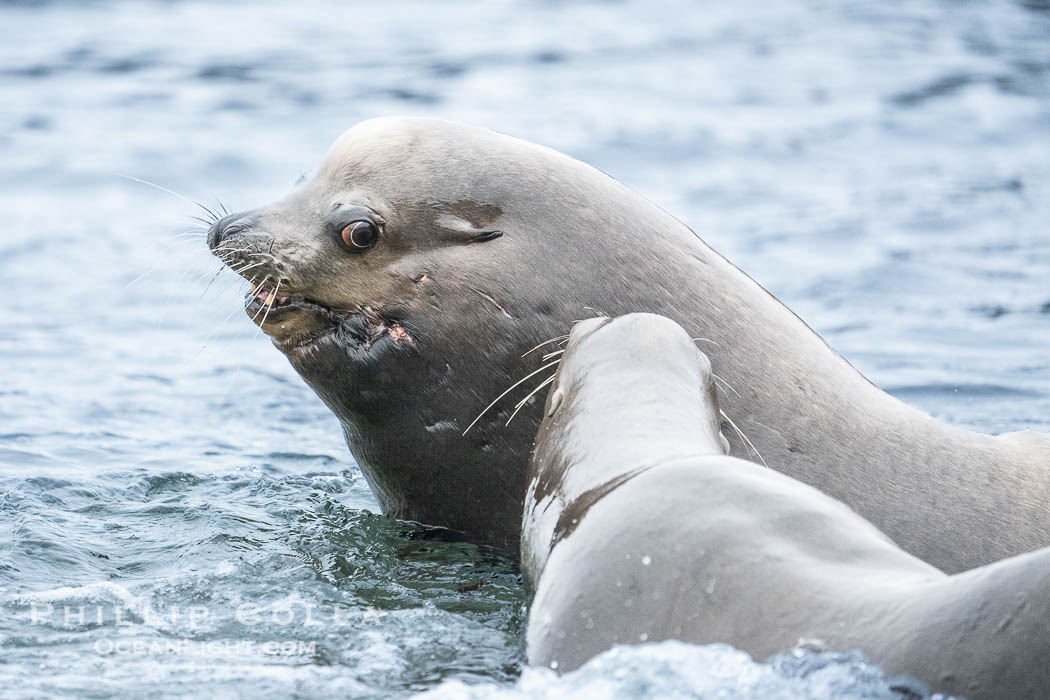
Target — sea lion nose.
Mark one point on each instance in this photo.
(222, 228)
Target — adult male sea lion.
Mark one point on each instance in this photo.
(638, 527)
(407, 278)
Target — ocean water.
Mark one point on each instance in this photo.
(179, 516)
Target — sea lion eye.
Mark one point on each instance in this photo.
(360, 235)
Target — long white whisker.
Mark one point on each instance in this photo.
(747, 442)
(261, 284)
(218, 327)
(510, 389)
(545, 342)
(269, 307)
(182, 242)
(171, 192)
(210, 283)
(727, 385)
(532, 393)
(239, 270)
(137, 279)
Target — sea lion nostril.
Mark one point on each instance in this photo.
(223, 227)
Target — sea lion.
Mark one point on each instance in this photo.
(638, 527)
(407, 278)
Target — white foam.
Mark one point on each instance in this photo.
(676, 669)
(101, 592)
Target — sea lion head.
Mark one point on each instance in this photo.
(407, 277)
(345, 258)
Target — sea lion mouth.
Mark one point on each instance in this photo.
(296, 323)
(270, 306)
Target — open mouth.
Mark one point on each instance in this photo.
(294, 321)
(265, 305)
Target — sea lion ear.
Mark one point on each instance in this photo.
(483, 235)
(463, 231)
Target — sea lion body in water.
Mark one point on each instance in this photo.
(486, 245)
(638, 527)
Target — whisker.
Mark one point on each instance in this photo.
(510, 389)
(546, 342)
(239, 270)
(223, 253)
(532, 393)
(232, 380)
(186, 243)
(182, 280)
(747, 442)
(210, 283)
(219, 326)
(261, 285)
(172, 193)
(727, 385)
(142, 276)
(269, 307)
